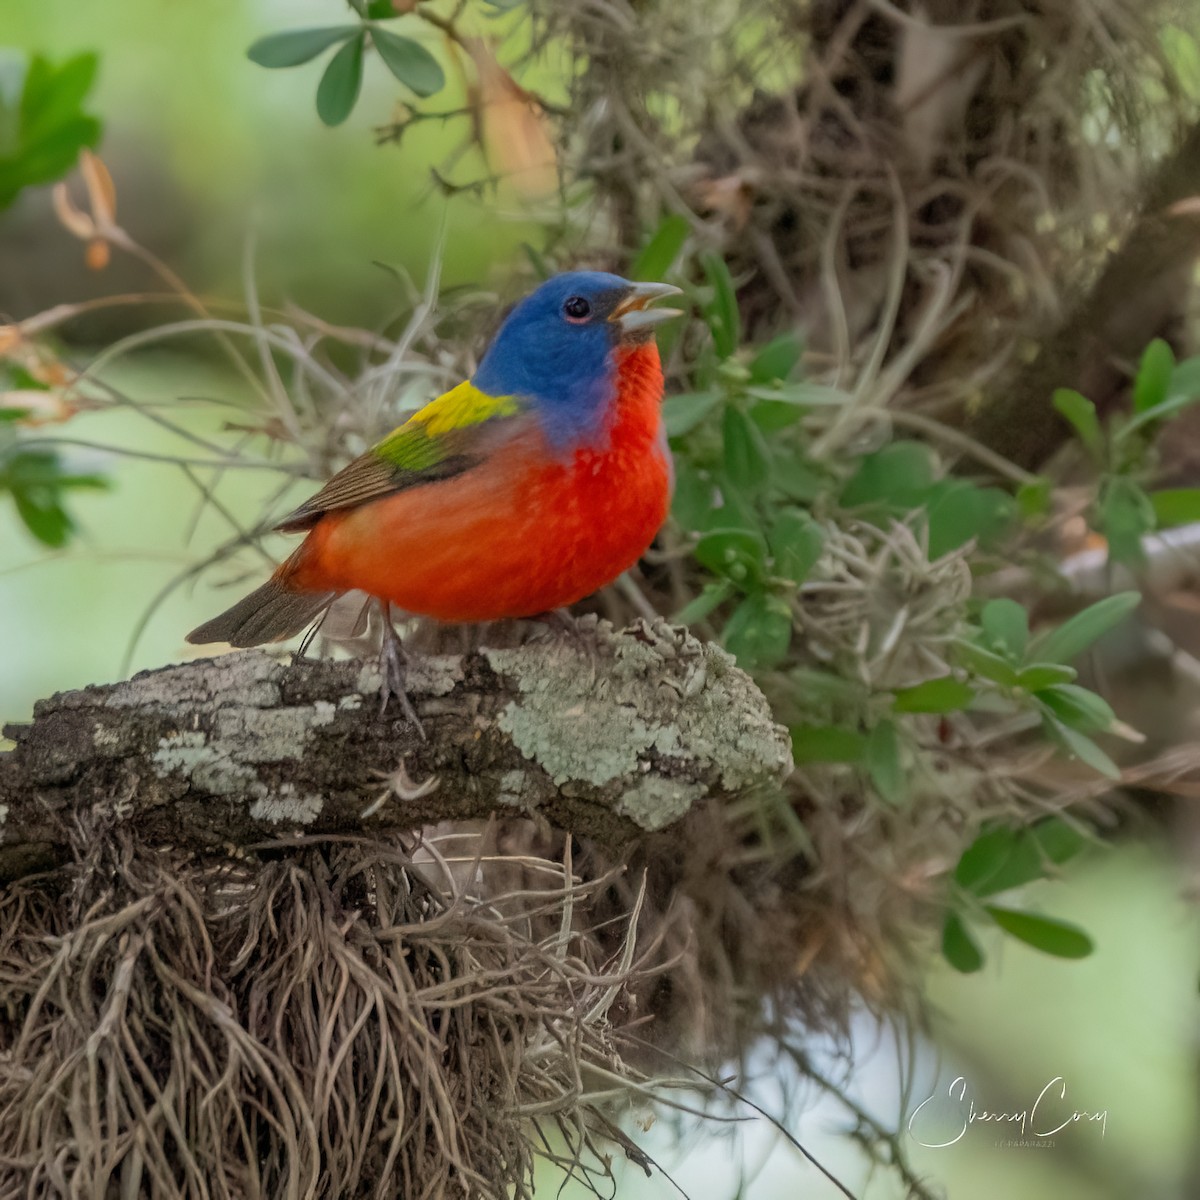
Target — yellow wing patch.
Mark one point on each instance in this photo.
(435, 443)
(462, 406)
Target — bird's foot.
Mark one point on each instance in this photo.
(564, 621)
(579, 631)
(393, 670)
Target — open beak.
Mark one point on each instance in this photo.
(634, 316)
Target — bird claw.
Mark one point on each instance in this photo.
(582, 638)
(565, 622)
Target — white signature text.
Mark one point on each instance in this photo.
(1049, 1114)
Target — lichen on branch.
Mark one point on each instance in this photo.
(610, 734)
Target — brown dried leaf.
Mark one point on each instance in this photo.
(75, 221)
(102, 192)
(512, 126)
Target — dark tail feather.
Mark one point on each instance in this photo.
(270, 614)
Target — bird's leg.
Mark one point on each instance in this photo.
(564, 619)
(576, 634)
(393, 667)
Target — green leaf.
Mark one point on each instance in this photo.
(13, 414)
(958, 512)
(1002, 858)
(795, 541)
(1077, 707)
(1079, 746)
(759, 633)
(38, 470)
(828, 744)
(883, 763)
(1081, 413)
(777, 359)
(44, 516)
(1126, 516)
(737, 554)
(1042, 675)
(711, 596)
(746, 456)
(1006, 627)
(1182, 392)
(959, 948)
(797, 480)
(942, 695)
(1047, 934)
(42, 124)
(53, 97)
(658, 255)
(683, 412)
(1033, 498)
(898, 476)
(380, 10)
(1153, 376)
(409, 61)
(1175, 506)
(337, 93)
(987, 665)
(1074, 636)
(18, 378)
(803, 395)
(49, 159)
(296, 46)
(28, 469)
(771, 416)
(724, 320)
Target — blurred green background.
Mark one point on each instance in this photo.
(209, 151)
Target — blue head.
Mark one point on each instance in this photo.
(557, 348)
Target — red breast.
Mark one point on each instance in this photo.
(518, 535)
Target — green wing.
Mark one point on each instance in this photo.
(444, 439)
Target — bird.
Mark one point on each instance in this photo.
(515, 494)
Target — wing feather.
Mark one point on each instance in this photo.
(449, 436)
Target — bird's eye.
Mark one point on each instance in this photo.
(577, 308)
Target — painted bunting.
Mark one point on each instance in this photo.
(514, 494)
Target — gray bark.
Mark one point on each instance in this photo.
(612, 735)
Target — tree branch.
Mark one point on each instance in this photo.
(1141, 291)
(613, 738)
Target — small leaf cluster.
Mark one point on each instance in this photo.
(752, 495)
(758, 504)
(43, 122)
(1125, 509)
(999, 860)
(37, 479)
(1036, 671)
(341, 81)
(741, 487)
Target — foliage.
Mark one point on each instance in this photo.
(43, 128)
(1121, 451)
(36, 476)
(767, 516)
(1000, 860)
(43, 125)
(337, 92)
